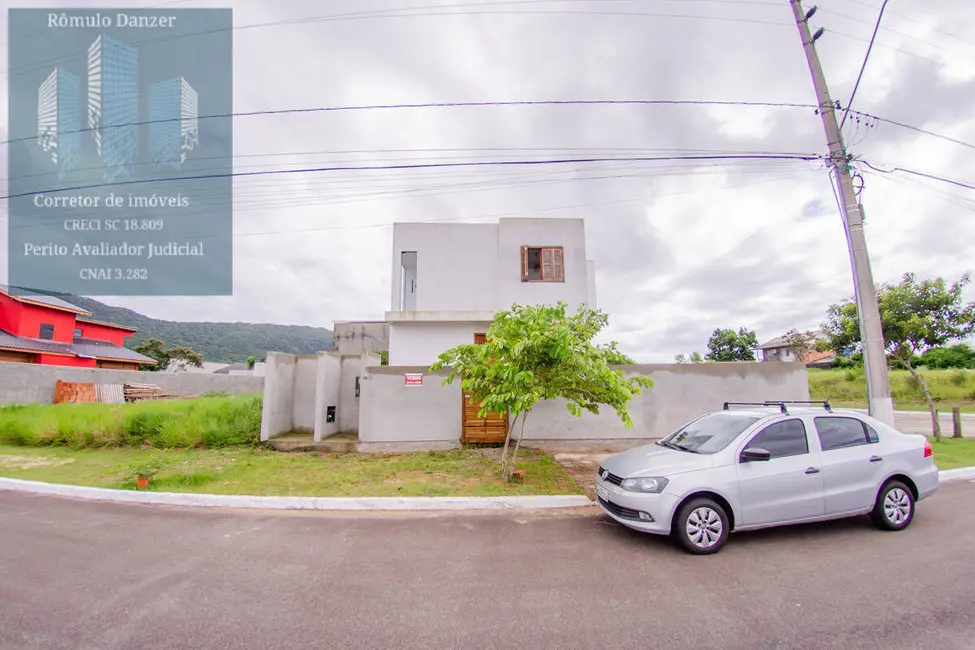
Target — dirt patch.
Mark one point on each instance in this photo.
(31, 462)
(584, 474)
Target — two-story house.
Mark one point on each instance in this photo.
(50, 331)
(448, 280)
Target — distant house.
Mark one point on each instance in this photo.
(779, 349)
(49, 331)
(241, 369)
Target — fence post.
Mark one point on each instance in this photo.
(956, 422)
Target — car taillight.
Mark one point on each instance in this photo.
(928, 451)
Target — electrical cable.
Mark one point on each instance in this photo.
(863, 66)
(935, 177)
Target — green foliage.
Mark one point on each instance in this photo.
(384, 358)
(729, 345)
(250, 363)
(695, 357)
(219, 342)
(616, 358)
(956, 356)
(166, 424)
(177, 357)
(947, 387)
(536, 353)
(916, 316)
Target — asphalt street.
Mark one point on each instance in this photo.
(79, 575)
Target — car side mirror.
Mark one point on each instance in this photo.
(755, 454)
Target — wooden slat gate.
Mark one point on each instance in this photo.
(491, 429)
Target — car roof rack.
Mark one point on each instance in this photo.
(781, 404)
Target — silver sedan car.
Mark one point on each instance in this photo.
(758, 465)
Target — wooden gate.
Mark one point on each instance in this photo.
(490, 429)
(75, 393)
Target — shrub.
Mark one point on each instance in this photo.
(165, 424)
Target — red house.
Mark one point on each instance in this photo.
(50, 331)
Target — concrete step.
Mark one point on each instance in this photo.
(339, 443)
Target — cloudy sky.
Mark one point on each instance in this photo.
(680, 248)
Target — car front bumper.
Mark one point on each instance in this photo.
(625, 507)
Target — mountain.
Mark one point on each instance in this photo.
(222, 342)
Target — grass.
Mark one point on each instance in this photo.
(166, 424)
(848, 388)
(246, 470)
(951, 453)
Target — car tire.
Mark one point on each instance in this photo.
(701, 526)
(894, 509)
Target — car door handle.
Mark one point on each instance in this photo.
(812, 470)
(876, 459)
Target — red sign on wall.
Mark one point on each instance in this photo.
(413, 379)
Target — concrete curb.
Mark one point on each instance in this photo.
(333, 503)
(297, 503)
(956, 474)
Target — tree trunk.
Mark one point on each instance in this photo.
(504, 453)
(935, 420)
(514, 454)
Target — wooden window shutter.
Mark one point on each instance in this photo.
(558, 266)
(548, 263)
(524, 263)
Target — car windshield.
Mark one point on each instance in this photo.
(709, 434)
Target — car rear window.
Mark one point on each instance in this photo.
(711, 433)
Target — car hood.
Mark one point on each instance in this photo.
(655, 460)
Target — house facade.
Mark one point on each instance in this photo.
(49, 331)
(448, 280)
(779, 349)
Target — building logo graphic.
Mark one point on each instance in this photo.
(113, 114)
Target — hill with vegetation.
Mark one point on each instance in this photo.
(220, 342)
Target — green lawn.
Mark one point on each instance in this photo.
(951, 453)
(848, 388)
(246, 470)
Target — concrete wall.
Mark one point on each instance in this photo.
(303, 389)
(356, 337)
(568, 233)
(26, 383)
(279, 381)
(391, 412)
(456, 265)
(419, 344)
(348, 416)
(327, 386)
(402, 417)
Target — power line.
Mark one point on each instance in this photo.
(863, 66)
(469, 104)
(935, 177)
(483, 163)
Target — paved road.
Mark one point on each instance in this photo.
(920, 422)
(85, 575)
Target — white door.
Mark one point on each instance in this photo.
(852, 465)
(786, 488)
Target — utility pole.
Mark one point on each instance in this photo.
(871, 333)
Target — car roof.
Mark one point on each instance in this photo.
(776, 410)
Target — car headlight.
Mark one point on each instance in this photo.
(653, 485)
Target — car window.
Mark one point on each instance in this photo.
(839, 433)
(711, 433)
(785, 438)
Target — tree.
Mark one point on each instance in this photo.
(176, 358)
(957, 356)
(800, 344)
(916, 316)
(250, 363)
(728, 345)
(695, 357)
(616, 358)
(535, 353)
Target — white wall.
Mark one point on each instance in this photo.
(568, 233)
(419, 344)
(591, 284)
(456, 265)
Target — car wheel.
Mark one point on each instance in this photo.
(894, 509)
(701, 526)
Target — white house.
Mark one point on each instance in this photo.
(448, 280)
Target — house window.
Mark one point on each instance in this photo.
(77, 332)
(542, 264)
(46, 332)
